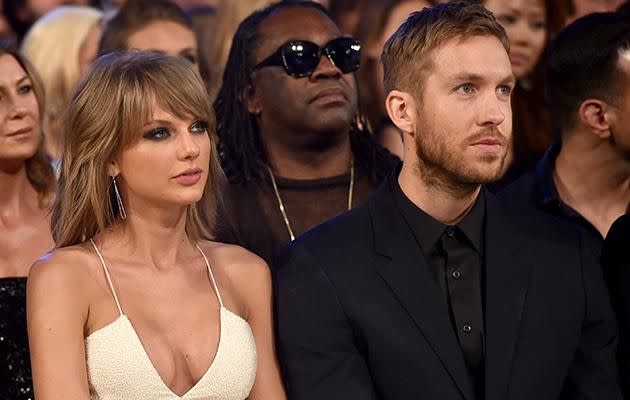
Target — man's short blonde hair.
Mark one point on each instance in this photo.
(406, 56)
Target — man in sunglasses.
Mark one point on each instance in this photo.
(435, 289)
(292, 144)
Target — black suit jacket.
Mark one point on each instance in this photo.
(359, 315)
(616, 263)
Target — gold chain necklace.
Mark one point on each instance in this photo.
(281, 204)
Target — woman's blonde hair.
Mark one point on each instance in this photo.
(105, 116)
(38, 169)
(52, 45)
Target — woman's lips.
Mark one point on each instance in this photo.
(21, 133)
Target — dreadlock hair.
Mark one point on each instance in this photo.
(240, 147)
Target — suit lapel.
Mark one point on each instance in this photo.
(507, 280)
(402, 266)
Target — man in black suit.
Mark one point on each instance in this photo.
(434, 289)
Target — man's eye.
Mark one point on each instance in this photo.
(465, 89)
(504, 91)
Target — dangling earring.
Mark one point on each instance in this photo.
(121, 208)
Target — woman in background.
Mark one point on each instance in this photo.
(378, 21)
(27, 183)
(154, 25)
(530, 26)
(59, 45)
(134, 303)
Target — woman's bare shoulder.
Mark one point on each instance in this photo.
(242, 266)
(68, 266)
(232, 256)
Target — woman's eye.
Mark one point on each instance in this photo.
(157, 134)
(506, 19)
(199, 127)
(191, 58)
(25, 89)
(538, 25)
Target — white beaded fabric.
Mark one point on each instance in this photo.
(119, 368)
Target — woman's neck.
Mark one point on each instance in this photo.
(154, 236)
(17, 195)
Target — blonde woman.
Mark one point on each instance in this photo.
(26, 193)
(133, 303)
(60, 45)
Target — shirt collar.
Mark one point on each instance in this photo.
(545, 191)
(429, 230)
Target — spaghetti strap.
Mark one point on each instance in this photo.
(214, 283)
(109, 280)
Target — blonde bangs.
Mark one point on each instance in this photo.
(180, 94)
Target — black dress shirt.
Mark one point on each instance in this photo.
(546, 194)
(455, 256)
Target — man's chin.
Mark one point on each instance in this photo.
(332, 122)
(483, 175)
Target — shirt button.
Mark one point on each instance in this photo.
(450, 232)
(467, 328)
(456, 274)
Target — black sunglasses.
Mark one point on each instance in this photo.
(300, 58)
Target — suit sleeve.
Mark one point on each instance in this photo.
(616, 265)
(318, 356)
(594, 374)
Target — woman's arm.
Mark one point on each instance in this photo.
(57, 310)
(254, 283)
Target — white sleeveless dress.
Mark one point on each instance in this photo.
(119, 368)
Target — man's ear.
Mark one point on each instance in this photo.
(251, 99)
(402, 110)
(597, 115)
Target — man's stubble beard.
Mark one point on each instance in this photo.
(444, 170)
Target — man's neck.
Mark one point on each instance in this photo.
(593, 179)
(303, 162)
(448, 203)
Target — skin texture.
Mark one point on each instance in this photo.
(168, 38)
(525, 24)
(305, 134)
(457, 132)
(21, 218)
(159, 276)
